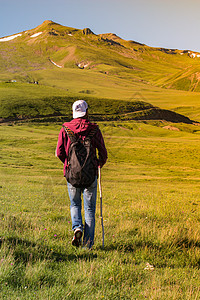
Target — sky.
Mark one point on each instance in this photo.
(158, 23)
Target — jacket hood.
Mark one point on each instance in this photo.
(80, 126)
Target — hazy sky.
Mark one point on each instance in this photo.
(158, 23)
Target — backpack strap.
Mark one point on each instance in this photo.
(93, 132)
(70, 134)
(73, 137)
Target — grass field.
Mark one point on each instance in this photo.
(150, 182)
(150, 208)
(23, 100)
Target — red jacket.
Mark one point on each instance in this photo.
(81, 127)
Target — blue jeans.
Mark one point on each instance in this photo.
(89, 198)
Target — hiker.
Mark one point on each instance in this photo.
(80, 133)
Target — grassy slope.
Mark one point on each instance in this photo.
(150, 209)
(118, 69)
(150, 196)
(53, 108)
(32, 99)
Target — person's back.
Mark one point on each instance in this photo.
(81, 130)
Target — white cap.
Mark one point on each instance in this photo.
(79, 109)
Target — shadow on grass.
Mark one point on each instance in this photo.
(26, 251)
(181, 244)
(177, 253)
(165, 254)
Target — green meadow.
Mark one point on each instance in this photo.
(55, 96)
(150, 183)
(150, 209)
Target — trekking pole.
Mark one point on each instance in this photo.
(101, 215)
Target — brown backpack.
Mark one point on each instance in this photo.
(81, 169)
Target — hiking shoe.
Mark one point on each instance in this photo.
(76, 240)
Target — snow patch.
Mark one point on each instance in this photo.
(55, 64)
(82, 65)
(193, 55)
(9, 38)
(36, 34)
(70, 34)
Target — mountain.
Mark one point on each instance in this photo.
(67, 62)
(52, 45)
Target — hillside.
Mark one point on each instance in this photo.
(66, 62)
(59, 109)
(52, 45)
(144, 100)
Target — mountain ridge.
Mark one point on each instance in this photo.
(87, 31)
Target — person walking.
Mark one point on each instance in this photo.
(78, 142)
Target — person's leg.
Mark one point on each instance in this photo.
(75, 207)
(89, 197)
